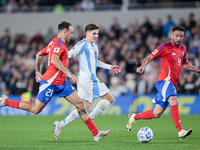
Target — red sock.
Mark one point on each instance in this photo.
(91, 126)
(176, 117)
(11, 103)
(145, 115)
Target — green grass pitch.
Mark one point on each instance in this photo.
(36, 133)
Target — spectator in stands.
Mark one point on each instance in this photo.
(5, 40)
(189, 86)
(48, 36)
(168, 24)
(117, 88)
(77, 7)
(11, 6)
(116, 45)
(148, 25)
(87, 5)
(58, 8)
(192, 20)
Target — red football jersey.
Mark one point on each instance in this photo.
(53, 75)
(172, 58)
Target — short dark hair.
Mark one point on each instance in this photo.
(91, 26)
(178, 27)
(64, 24)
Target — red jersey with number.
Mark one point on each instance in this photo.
(53, 75)
(172, 58)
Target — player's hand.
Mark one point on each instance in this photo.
(140, 70)
(38, 76)
(116, 69)
(73, 77)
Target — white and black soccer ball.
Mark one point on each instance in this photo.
(145, 135)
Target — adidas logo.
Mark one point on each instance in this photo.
(173, 53)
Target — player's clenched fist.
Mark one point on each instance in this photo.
(140, 70)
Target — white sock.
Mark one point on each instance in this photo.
(70, 118)
(103, 104)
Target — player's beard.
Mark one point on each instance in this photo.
(175, 43)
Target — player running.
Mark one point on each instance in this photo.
(172, 55)
(89, 86)
(54, 81)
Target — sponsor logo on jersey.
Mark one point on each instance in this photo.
(56, 49)
(155, 51)
(173, 53)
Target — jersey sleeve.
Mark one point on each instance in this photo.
(57, 50)
(103, 65)
(44, 51)
(184, 53)
(57, 47)
(157, 52)
(77, 49)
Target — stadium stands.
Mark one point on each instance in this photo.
(123, 46)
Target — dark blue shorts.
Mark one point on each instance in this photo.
(47, 90)
(165, 90)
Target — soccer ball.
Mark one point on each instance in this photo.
(145, 134)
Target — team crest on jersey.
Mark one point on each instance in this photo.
(47, 99)
(155, 51)
(56, 49)
(95, 54)
(183, 53)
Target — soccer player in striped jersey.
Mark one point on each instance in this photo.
(54, 81)
(89, 86)
(173, 56)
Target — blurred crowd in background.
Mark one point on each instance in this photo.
(59, 6)
(126, 47)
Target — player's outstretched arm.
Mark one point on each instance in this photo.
(58, 64)
(101, 64)
(188, 66)
(38, 74)
(144, 63)
(116, 69)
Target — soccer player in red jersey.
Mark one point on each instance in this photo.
(54, 81)
(173, 56)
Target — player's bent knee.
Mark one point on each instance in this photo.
(35, 111)
(111, 100)
(80, 105)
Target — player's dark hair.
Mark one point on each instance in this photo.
(91, 26)
(64, 24)
(178, 27)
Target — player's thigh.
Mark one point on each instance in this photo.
(84, 92)
(46, 91)
(76, 100)
(94, 88)
(38, 106)
(103, 90)
(108, 96)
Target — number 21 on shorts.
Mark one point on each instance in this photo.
(49, 93)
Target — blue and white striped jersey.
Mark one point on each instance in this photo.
(88, 60)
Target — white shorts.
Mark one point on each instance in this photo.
(91, 90)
